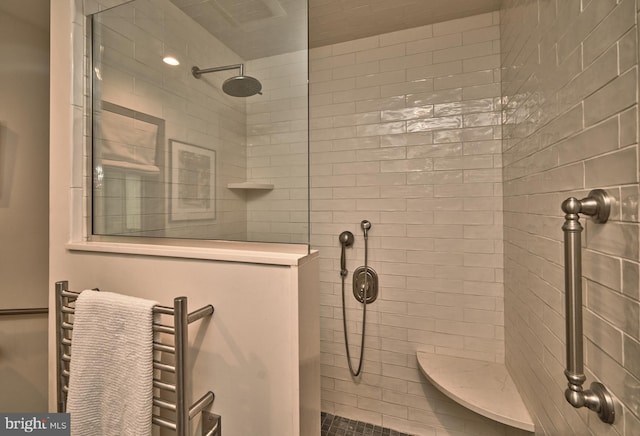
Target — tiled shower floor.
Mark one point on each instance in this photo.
(338, 426)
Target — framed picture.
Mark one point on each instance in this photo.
(193, 182)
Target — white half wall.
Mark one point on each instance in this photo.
(256, 349)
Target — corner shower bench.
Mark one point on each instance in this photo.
(484, 387)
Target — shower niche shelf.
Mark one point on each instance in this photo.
(484, 387)
(251, 185)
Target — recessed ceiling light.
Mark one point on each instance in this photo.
(170, 60)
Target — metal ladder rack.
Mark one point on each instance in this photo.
(171, 409)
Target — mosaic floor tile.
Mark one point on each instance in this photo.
(338, 426)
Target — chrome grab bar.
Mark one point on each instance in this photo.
(597, 205)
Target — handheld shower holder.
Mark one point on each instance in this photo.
(346, 240)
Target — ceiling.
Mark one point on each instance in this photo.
(333, 21)
(254, 28)
(260, 28)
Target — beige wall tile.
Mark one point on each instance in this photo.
(609, 30)
(463, 24)
(596, 140)
(434, 43)
(595, 72)
(613, 98)
(463, 52)
(612, 169)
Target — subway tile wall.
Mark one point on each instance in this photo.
(405, 132)
(134, 37)
(277, 149)
(570, 79)
(261, 139)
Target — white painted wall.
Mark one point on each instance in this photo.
(253, 352)
(24, 177)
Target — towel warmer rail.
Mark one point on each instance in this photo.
(178, 389)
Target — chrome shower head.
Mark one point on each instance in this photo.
(242, 86)
(236, 86)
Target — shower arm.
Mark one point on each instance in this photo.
(597, 205)
(197, 72)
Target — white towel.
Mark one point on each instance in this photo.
(111, 373)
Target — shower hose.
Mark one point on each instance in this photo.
(364, 315)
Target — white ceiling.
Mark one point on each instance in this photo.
(252, 28)
(333, 21)
(259, 28)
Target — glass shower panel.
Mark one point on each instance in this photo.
(200, 120)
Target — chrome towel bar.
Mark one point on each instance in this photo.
(597, 205)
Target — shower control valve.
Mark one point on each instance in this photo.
(365, 284)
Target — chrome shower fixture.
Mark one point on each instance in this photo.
(365, 279)
(236, 86)
(346, 240)
(365, 289)
(365, 225)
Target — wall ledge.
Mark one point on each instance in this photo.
(484, 387)
(226, 251)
